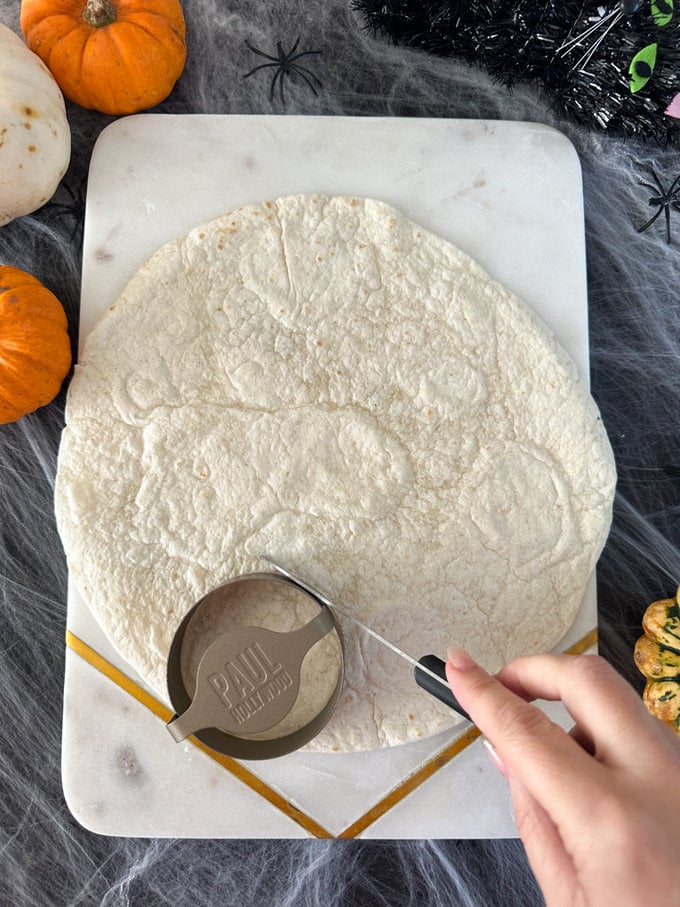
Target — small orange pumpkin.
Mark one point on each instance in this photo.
(115, 56)
(35, 351)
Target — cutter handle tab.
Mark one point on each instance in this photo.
(444, 694)
(182, 726)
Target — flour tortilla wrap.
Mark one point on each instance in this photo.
(322, 380)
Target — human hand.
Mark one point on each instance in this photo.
(598, 809)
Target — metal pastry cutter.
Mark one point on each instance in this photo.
(248, 678)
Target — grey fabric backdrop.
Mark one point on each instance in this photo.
(45, 857)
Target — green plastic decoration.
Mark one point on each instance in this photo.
(662, 12)
(641, 67)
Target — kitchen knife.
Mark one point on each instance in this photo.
(429, 671)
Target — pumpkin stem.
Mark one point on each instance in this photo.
(99, 13)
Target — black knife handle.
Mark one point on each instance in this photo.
(438, 667)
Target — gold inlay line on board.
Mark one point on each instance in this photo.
(239, 771)
(403, 789)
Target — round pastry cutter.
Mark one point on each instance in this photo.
(248, 679)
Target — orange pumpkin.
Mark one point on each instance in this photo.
(115, 56)
(35, 351)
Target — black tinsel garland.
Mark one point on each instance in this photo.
(580, 53)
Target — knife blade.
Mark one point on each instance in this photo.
(429, 671)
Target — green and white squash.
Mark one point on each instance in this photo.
(657, 656)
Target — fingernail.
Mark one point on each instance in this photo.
(459, 658)
(495, 758)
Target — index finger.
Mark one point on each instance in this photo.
(602, 703)
(540, 754)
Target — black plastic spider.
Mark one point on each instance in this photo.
(285, 65)
(73, 209)
(665, 199)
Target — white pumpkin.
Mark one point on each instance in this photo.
(35, 137)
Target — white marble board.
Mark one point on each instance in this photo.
(509, 194)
